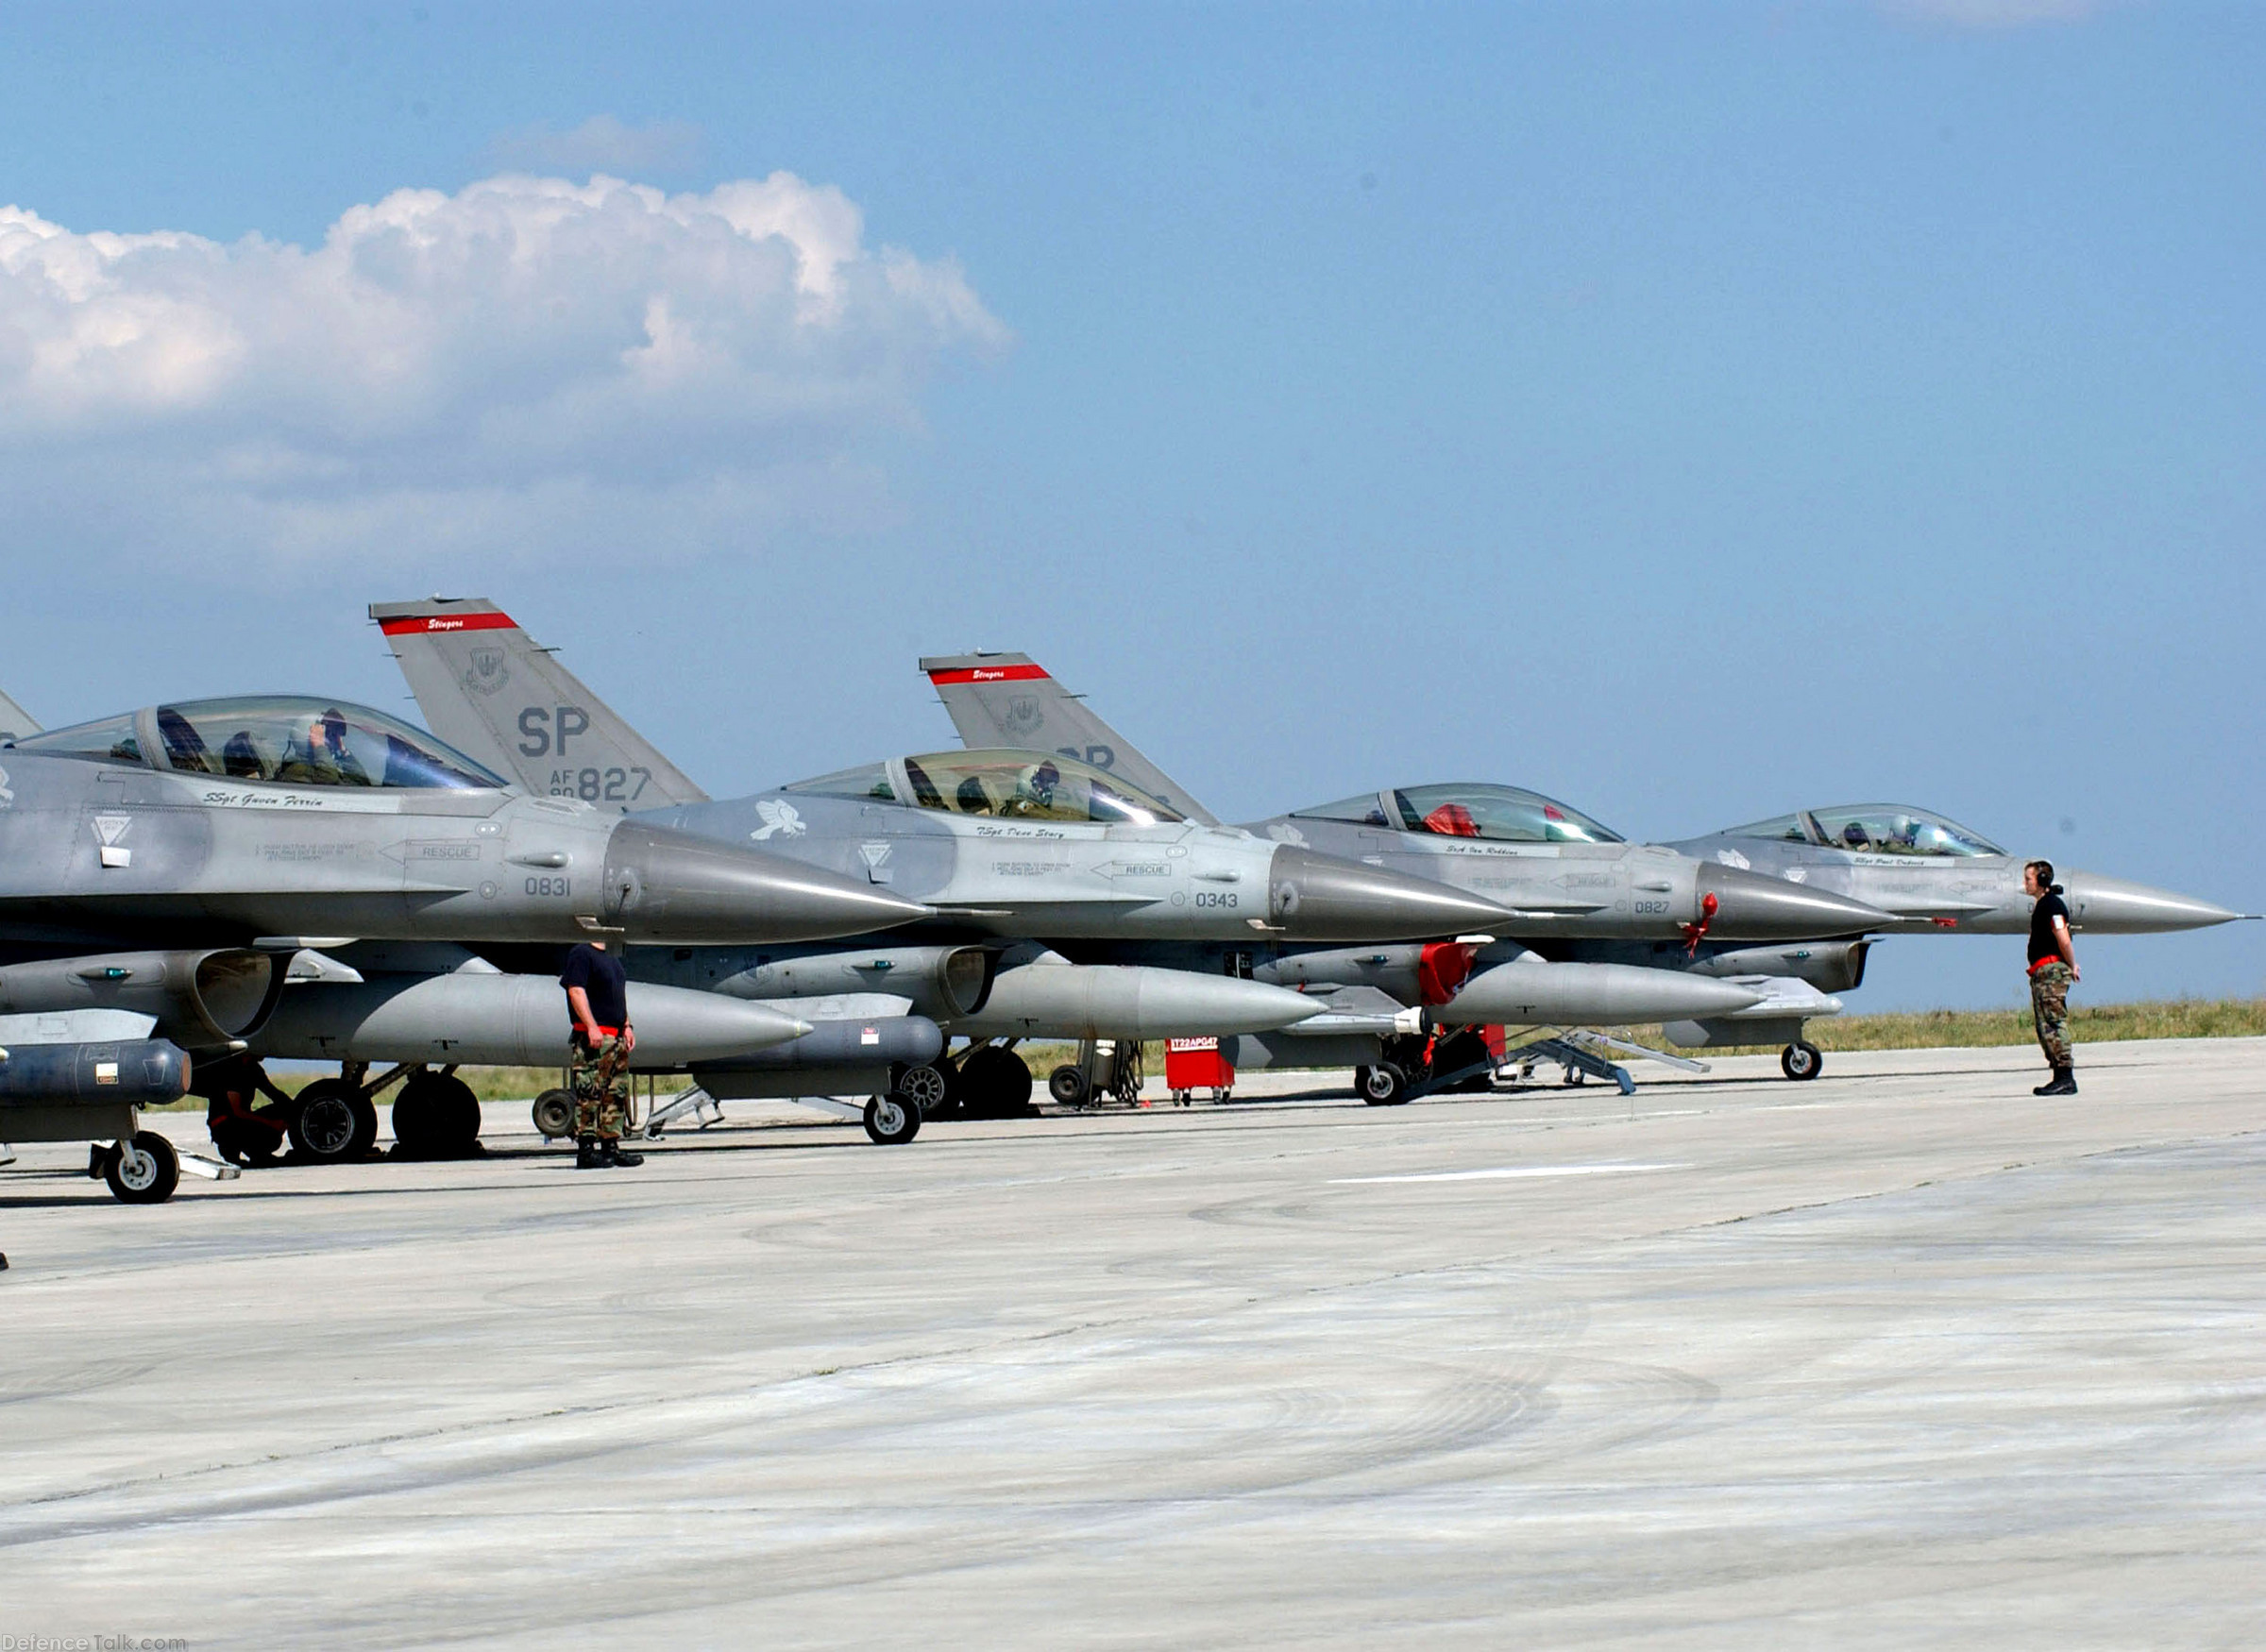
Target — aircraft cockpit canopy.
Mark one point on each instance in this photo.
(1002, 785)
(292, 739)
(1873, 829)
(1505, 814)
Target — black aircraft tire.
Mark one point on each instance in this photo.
(554, 1114)
(994, 1084)
(435, 1115)
(892, 1120)
(416, 1117)
(1382, 1085)
(1067, 1084)
(325, 1123)
(145, 1171)
(458, 1110)
(365, 1128)
(1801, 1061)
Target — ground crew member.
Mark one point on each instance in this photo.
(244, 1134)
(598, 1002)
(2052, 967)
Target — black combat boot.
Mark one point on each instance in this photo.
(2063, 1083)
(611, 1156)
(586, 1154)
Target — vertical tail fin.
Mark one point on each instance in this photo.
(14, 719)
(1008, 699)
(486, 687)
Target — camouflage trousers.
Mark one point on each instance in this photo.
(2050, 1009)
(602, 1095)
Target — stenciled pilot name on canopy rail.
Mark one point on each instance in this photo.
(1501, 814)
(999, 785)
(1890, 829)
(287, 739)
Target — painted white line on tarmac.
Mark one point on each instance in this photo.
(1504, 1173)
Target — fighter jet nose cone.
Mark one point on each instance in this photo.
(1321, 897)
(2112, 906)
(1752, 907)
(667, 886)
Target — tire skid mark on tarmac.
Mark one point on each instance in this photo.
(457, 1453)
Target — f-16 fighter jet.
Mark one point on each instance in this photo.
(1574, 887)
(1933, 874)
(1026, 855)
(1920, 873)
(171, 863)
(1937, 874)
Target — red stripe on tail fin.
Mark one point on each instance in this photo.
(988, 674)
(431, 624)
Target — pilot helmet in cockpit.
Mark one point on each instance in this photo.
(1035, 786)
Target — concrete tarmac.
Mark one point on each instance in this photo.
(1902, 1358)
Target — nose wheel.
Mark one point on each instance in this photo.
(892, 1120)
(1801, 1059)
(142, 1169)
(1382, 1085)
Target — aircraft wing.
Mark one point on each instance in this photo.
(489, 689)
(1009, 699)
(14, 719)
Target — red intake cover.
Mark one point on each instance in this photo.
(1441, 968)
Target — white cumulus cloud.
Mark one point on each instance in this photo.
(526, 355)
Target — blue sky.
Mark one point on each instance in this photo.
(1690, 411)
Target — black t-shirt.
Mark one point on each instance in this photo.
(602, 977)
(2043, 942)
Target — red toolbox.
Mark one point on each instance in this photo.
(1193, 1064)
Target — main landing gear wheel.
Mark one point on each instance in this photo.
(554, 1114)
(1067, 1084)
(1801, 1059)
(994, 1084)
(1382, 1085)
(925, 1087)
(891, 1119)
(436, 1116)
(143, 1171)
(335, 1123)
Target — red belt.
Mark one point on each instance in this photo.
(609, 1032)
(2041, 963)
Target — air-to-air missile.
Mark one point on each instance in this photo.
(1567, 880)
(169, 864)
(1010, 846)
